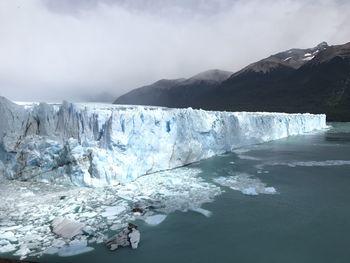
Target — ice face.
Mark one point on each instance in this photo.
(100, 145)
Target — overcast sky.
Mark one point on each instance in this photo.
(68, 49)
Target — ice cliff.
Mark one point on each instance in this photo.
(99, 144)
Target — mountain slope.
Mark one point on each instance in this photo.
(315, 80)
(176, 92)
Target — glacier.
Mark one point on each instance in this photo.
(100, 144)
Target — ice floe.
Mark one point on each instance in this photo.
(202, 211)
(155, 219)
(307, 163)
(66, 228)
(248, 157)
(26, 223)
(245, 183)
(74, 248)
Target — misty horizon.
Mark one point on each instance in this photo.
(80, 50)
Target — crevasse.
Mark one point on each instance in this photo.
(100, 144)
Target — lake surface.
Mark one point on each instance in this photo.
(307, 220)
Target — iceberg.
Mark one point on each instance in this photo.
(155, 219)
(75, 248)
(100, 144)
(29, 222)
(245, 183)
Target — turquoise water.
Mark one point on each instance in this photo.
(308, 220)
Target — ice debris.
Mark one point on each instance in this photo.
(74, 248)
(26, 222)
(66, 228)
(129, 236)
(245, 183)
(155, 219)
(202, 211)
(293, 164)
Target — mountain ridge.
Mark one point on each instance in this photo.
(315, 80)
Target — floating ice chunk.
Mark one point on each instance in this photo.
(245, 183)
(51, 250)
(308, 163)
(75, 248)
(7, 248)
(270, 190)
(23, 251)
(10, 228)
(4, 242)
(88, 214)
(155, 219)
(28, 194)
(247, 157)
(120, 239)
(115, 227)
(30, 236)
(113, 210)
(58, 243)
(66, 228)
(8, 236)
(202, 211)
(134, 236)
(249, 191)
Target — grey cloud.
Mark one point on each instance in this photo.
(60, 49)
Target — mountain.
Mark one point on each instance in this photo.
(176, 93)
(315, 80)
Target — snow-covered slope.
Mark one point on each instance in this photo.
(98, 144)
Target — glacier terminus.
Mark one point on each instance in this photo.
(99, 144)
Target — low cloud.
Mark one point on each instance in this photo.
(60, 49)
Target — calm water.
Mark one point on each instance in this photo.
(307, 221)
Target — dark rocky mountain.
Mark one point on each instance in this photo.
(176, 92)
(315, 80)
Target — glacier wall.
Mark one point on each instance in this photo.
(98, 144)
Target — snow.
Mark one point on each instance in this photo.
(155, 219)
(99, 145)
(288, 58)
(308, 58)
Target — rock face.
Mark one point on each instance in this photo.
(99, 145)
